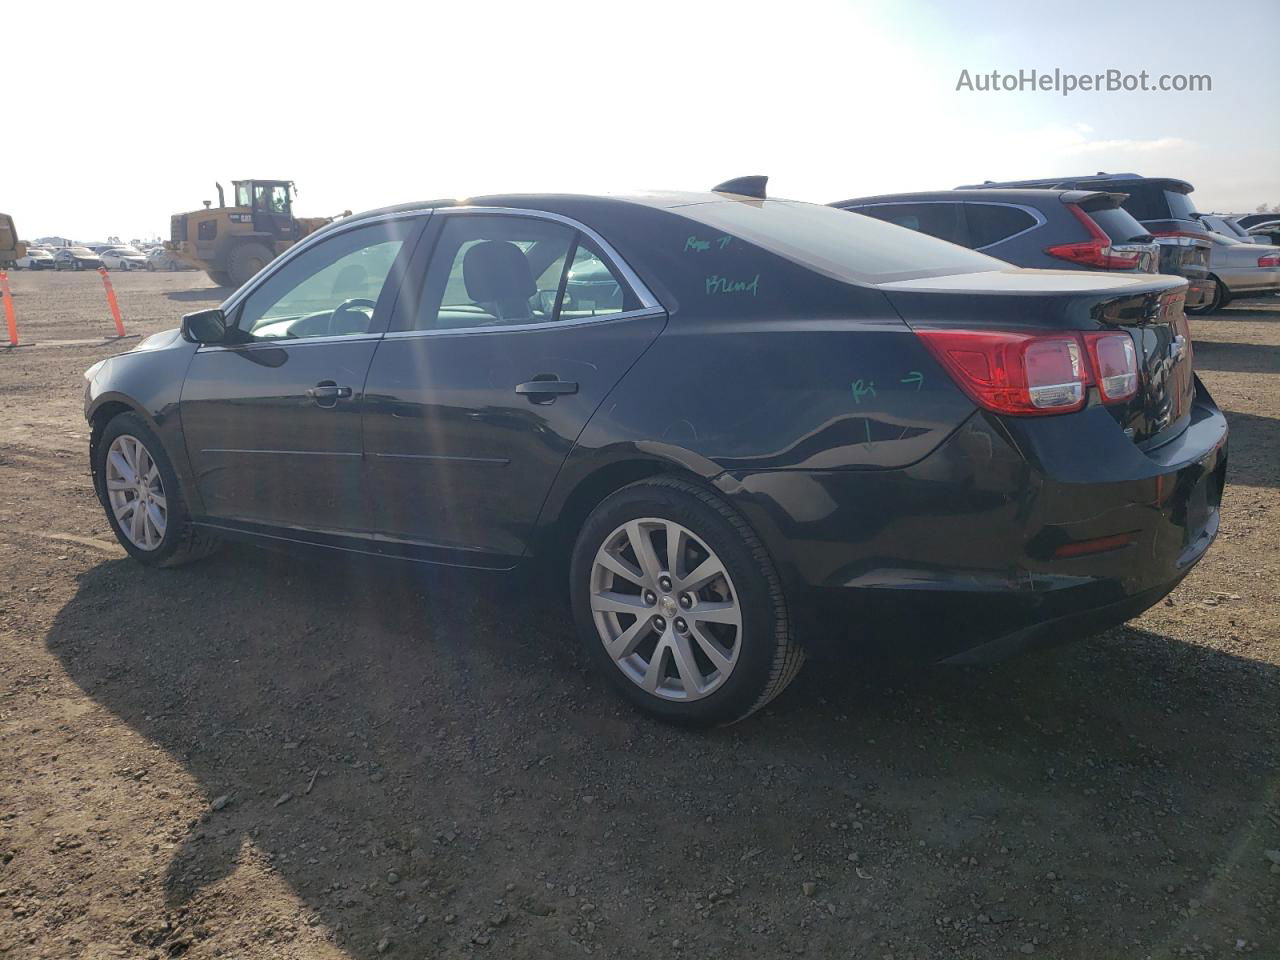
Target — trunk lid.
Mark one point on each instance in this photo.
(1149, 307)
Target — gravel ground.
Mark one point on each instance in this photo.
(276, 756)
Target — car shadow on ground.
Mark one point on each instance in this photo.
(1236, 357)
(202, 295)
(456, 778)
(1248, 311)
(1252, 446)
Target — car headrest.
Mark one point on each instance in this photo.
(497, 271)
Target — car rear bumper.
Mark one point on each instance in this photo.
(961, 556)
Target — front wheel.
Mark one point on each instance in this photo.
(139, 489)
(678, 604)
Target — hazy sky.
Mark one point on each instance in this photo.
(123, 115)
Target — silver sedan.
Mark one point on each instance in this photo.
(1242, 270)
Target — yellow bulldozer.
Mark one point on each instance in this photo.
(11, 248)
(232, 243)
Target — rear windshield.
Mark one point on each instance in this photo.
(1180, 205)
(1118, 224)
(846, 246)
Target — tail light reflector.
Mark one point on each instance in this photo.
(1115, 365)
(1269, 261)
(1036, 374)
(1096, 252)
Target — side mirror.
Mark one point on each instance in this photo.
(205, 326)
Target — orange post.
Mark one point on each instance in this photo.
(111, 302)
(10, 317)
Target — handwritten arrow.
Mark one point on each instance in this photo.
(913, 376)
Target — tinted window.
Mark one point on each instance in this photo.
(489, 271)
(941, 220)
(330, 289)
(1145, 201)
(839, 244)
(1118, 224)
(1180, 205)
(991, 222)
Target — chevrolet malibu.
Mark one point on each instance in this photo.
(747, 430)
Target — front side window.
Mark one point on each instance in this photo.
(493, 271)
(243, 199)
(329, 290)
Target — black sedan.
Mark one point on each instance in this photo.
(76, 258)
(748, 430)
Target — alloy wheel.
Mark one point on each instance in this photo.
(136, 492)
(666, 609)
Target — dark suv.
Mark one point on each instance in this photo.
(1162, 205)
(1049, 229)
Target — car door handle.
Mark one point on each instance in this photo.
(545, 388)
(326, 393)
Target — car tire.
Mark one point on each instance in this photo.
(1220, 299)
(245, 261)
(220, 277)
(151, 267)
(756, 655)
(179, 542)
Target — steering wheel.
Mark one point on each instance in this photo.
(346, 307)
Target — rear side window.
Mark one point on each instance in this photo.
(1180, 205)
(493, 271)
(992, 222)
(941, 220)
(1146, 201)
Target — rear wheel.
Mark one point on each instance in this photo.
(1219, 300)
(220, 277)
(142, 497)
(678, 604)
(245, 261)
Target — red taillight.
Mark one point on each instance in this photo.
(1036, 374)
(1269, 261)
(1096, 252)
(1115, 365)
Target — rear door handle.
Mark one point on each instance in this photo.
(545, 388)
(327, 393)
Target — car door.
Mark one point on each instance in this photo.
(507, 340)
(273, 425)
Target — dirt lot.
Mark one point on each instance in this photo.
(274, 756)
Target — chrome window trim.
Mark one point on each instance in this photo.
(523, 327)
(1040, 219)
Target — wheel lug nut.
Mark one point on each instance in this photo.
(686, 600)
(650, 597)
(665, 584)
(659, 624)
(681, 625)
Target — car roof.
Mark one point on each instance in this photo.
(1024, 195)
(1101, 179)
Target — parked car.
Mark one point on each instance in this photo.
(1051, 229)
(76, 258)
(1249, 220)
(1163, 206)
(36, 258)
(777, 430)
(158, 258)
(1268, 230)
(1241, 270)
(123, 258)
(1228, 227)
